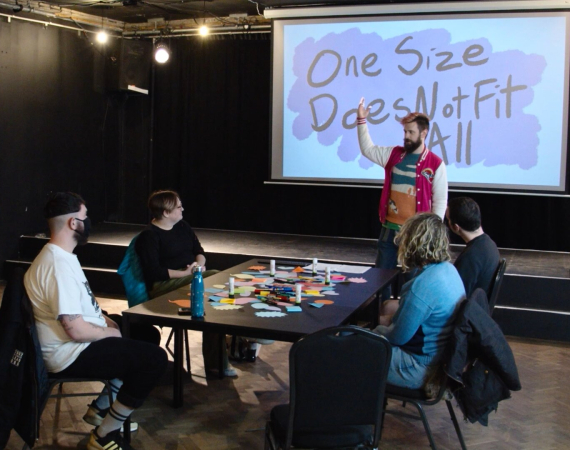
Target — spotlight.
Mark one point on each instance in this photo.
(161, 54)
(204, 30)
(102, 37)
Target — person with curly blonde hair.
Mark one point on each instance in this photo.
(422, 324)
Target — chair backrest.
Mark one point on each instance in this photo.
(132, 275)
(495, 287)
(338, 377)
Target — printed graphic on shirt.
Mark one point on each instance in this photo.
(428, 174)
(402, 203)
(93, 299)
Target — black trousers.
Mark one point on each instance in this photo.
(139, 364)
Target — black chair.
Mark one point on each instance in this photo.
(337, 380)
(495, 287)
(419, 399)
(53, 381)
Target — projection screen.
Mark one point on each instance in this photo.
(495, 86)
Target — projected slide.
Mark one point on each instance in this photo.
(494, 87)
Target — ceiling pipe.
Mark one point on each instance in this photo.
(254, 29)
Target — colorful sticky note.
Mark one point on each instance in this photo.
(316, 305)
(294, 309)
(214, 298)
(227, 307)
(270, 314)
(243, 276)
(324, 302)
(229, 301)
(256, 267)
(182, 303)
(357, 280)
(212, 290)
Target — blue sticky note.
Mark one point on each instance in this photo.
(213, 290)
(316, 305)
(214, 298)
(216, 304)
(294, 309)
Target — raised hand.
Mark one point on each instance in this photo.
(362, 111)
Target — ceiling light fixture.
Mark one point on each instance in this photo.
(204, 30)
(102, 37)
(161, 53)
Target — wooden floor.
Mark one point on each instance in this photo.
(231, 413)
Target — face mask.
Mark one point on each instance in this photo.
(84, 235)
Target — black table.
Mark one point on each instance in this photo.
(352, 298)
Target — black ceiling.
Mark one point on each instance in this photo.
(141, 11)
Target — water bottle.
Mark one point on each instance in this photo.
(197, 294)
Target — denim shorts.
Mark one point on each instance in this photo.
(409, 370)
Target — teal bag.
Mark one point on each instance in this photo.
(131, 273)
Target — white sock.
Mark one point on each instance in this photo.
(102, 402)
(114, 419)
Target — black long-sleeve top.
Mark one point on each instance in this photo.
(160, 250)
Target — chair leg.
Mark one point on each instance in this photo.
(269, 441)
(456, 424)
(168, 342)
(426, 424)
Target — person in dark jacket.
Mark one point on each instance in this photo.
(480, 362)
(478, 262)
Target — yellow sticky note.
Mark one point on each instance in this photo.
(229, 301)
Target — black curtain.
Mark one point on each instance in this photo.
(50, 126)
(211, 143)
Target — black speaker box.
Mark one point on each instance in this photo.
(127, 64)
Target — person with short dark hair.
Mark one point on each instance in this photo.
(415, 180)
(422, 325)
(76, 338)
(479, 260)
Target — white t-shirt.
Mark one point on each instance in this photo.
(57, 285)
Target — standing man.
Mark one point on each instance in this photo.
(415, 180)
(76, 338)
(478, 262)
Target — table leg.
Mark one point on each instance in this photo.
(376, 310)
(177, 397)
(125, 331)
(222, 354)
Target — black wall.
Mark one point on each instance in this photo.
(61, 128)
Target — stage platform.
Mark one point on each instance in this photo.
(534, 300)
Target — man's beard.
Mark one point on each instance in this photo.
(80, 238)
(411, 146)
